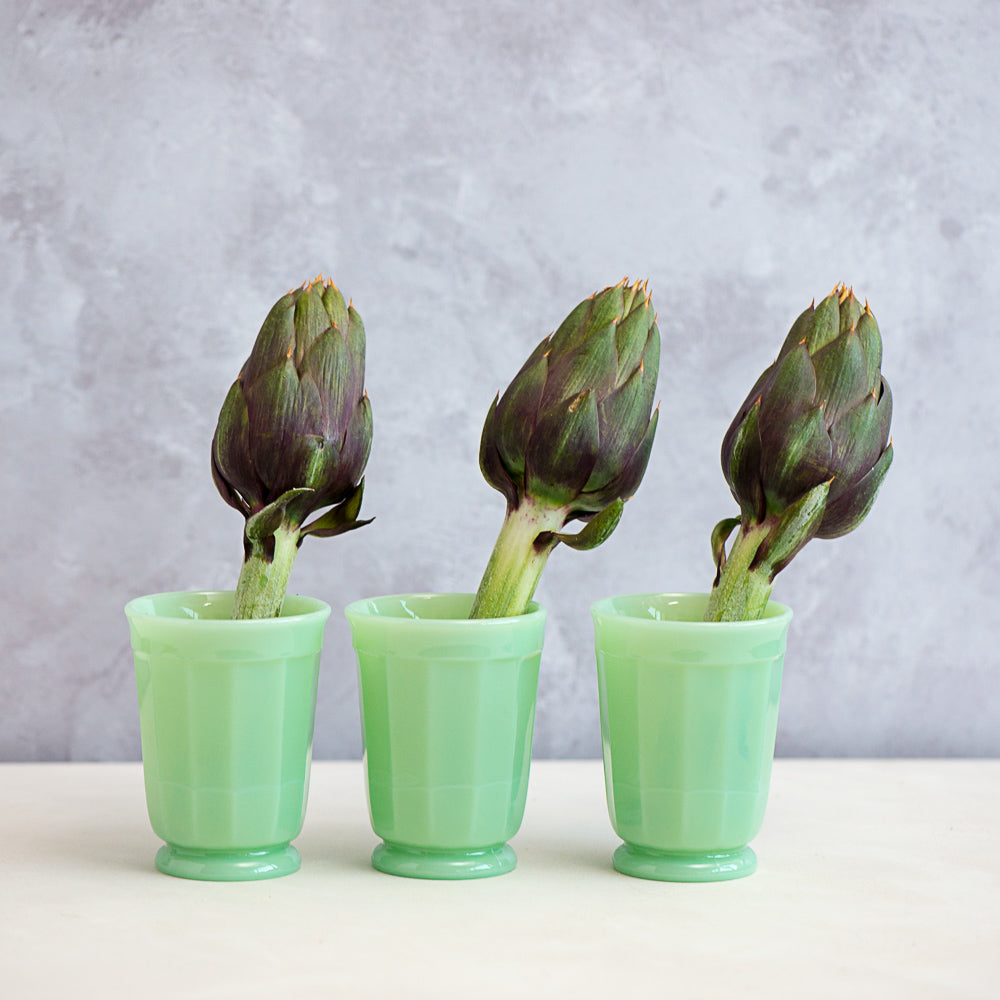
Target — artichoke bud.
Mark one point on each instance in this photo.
(819, 414)
(573, 430)
(295, 429)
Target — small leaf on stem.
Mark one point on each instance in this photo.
(597, 530)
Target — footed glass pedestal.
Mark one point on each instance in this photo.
(415, 862)
(684, 866)
(228, 866)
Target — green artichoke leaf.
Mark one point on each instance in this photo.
(343, 517)
(517, 412)
(313, 460)
(623, 418)
(849, 509)
(311, 321)
(490, 463)
(743, 472)
(720, 535)
(798, 333)
(230, 495)
(841, 376)
(340, 314)
(856, 441)
(601, 309)
(276, 337)
(796, 525)
(789, 393)
(632, 295)
(592, 365)
(871, 344)
(628, 479)
(357, 441)
(562, 451)
(608, 305)
(355, 334)
(825, 325)
(753, 397)
(797, 461)
(272, 405)
(636, 342)
(596, 531)
(266, 521)
(309, 408)
(571, 331)
(231, 460)
(850, 312)
(649, 363)
(329, 364)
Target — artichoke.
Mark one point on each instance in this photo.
(807, 451)
(570, 438)
(293, 437)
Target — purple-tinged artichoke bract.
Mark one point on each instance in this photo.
(293, 437)
(807, 451)
(570, 438)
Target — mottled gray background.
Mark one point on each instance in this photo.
(467, 173)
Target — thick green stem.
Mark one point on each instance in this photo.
(264, 577)
(741, 593)
(517, 561)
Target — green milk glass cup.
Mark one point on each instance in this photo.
(447, 712)
(689, 711)
(226, 714)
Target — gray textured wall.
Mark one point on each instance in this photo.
(468, 172)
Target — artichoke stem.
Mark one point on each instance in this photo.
(264, 577)
(741, 593)
(517, 561)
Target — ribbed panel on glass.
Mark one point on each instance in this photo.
(447, 747)
(226, 747)
(448, 709)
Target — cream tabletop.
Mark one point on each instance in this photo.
(877, 879)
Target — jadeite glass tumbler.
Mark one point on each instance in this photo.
(226, 712)
(448, 710)
(689, 711)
